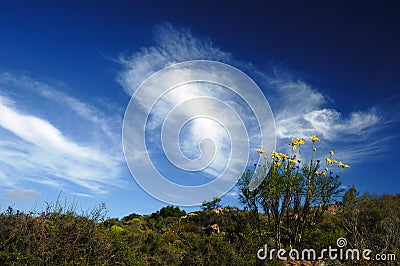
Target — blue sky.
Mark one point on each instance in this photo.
(68, 70)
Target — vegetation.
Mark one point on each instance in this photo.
(295, 205)
(292, 193)
(61, 237)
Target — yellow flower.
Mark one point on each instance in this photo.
(301, 141)
(328, 160)
(276, 155)
(292, 160)
(293, 144)
(277, 163)
(314, 138)
(326, 168)
(320, 173)
(331, 153)
(343, 165)
(284, 156)
(261, 151)
(314, 149)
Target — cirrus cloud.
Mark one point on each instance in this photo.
(54, 139)
(22, 194)
(299, 109)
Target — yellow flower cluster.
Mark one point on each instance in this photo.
(279, 158)
(261, 151)
(314, 138)
(280, 155)
(275, 155)
(296, 142)
(331, 161)
(284, 156)
(343, 165)
(320, 173)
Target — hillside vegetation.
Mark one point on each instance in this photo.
(287, 203)
(59, 236)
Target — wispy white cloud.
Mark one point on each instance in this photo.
(55, 139)
(22, 194)
(173, 45)
(42, 134)
(172, 111)
(299, 109)
(331, 124)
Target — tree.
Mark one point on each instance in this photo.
(212, 205)
(250, 198)
(371, 221)
(171, 211)
(293, 194)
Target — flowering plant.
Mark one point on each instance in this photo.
(292, 192)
